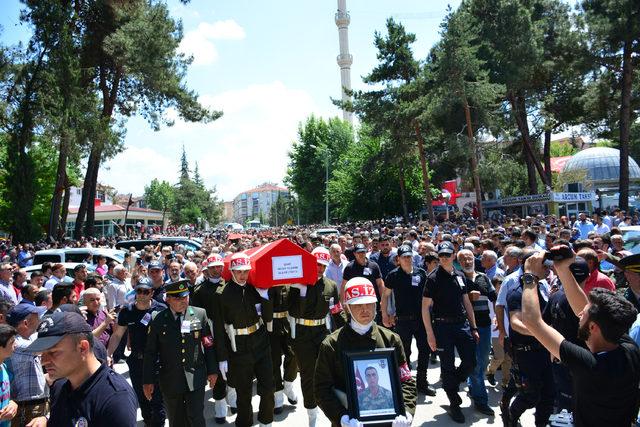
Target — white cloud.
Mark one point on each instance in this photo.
(199, 42)
(244, 148)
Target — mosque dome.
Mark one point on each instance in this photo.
(602, 165)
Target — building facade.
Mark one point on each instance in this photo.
(256, 203)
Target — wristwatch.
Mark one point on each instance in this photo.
(529, 279)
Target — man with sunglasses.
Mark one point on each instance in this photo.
(135, 319)
(156, 276)
(446, 300)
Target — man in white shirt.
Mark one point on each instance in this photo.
(336, 265)
(117, 289)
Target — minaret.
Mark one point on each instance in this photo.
(345, 59)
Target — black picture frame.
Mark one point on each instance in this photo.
(387, 377)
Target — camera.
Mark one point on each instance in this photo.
(558, 253)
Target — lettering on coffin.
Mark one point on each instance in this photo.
(287, 267)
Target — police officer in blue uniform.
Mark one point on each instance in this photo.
(181, 339)
(454, 326)
(534, 376)
(134, 319)
(86, 392)
(407, 284)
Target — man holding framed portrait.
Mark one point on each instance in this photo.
(363, 348)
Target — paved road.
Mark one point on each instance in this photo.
(430, 411)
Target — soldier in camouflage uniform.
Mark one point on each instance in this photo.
(374, 397)
(314, 311)
(360, 334)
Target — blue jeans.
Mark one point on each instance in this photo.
(477, 389)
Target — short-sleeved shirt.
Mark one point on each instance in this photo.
(407, 289)
(369, 270)
(95, 320)
(137, 323)
(559, 315)
(514, 303)
(385, 263)
(5, 392)
(605, 383)
(446, 290)
(105, 399)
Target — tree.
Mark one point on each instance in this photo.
(613, 29)
(131, 60)
(459, 72)
(159, 195)
(317, 138)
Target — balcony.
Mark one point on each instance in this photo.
(344, 60)
(342, 19)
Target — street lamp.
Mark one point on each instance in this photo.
(326, 180)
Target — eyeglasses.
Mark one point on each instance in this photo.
(444, 255)
(143, 291)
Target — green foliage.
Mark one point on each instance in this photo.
(188, 202)
(499, 170)
(317, 139)
(562, 149)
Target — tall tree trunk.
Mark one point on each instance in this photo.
(531, 173)
(62, 231)
(403, 193)
(520, 114)
(61, 178)
(91, 207)
(84, 201)
(473, 158)
(625, 124)
(426, 184)
(546, 155)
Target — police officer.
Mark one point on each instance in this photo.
(180, 337)
(157, 280)
(204, 294)
(135, 319)
(362, 267)
(360, 334)
(454, 325)
(407, 283)
(535, 378)
(243, 345)
(314, 312)
(281, 346)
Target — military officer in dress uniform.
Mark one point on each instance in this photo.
(314, 311)
(134, 319)
(361, 333)
(204, 294)
(281, 346)
(180, 338)
(243, 314)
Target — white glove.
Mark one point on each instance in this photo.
(224, 368)
(345, 421)
(264, 293)
(302, 288)
(402, 421)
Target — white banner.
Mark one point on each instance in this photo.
(287, 267)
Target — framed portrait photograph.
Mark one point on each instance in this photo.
(374, 394)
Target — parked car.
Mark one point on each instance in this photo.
(68, 266)
(631, 238)
(77, 255)
(326, 232)
(189, 244)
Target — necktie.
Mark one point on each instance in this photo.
(178, 318)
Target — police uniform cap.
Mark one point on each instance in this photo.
(155, 265)
(445, 248)
(144, 283)
(53, 328)
(405, 250)
(360, 248)
(179, 288)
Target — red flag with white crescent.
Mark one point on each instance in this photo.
(359, 382)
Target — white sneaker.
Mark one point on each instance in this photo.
(290, 392)
(265, 425)
(313, 416)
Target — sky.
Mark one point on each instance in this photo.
(268, 65)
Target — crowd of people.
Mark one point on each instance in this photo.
(556, 328)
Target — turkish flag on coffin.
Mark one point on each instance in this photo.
(278, 263)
